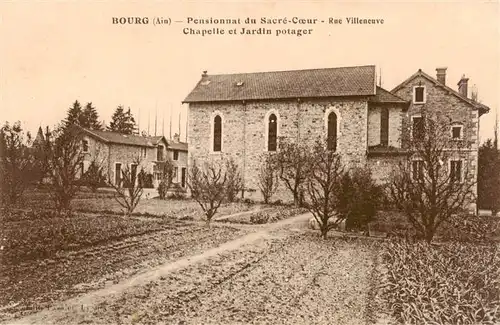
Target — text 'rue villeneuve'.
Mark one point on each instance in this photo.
(277, 26)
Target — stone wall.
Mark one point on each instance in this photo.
(244, 131)
(449, 109)
(396, 116)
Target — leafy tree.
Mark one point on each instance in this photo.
(426, 187)
(292, 161)
(488, 177)
(64, 159)
(18, 166)
(208, 186)
(89, 118)
(122, 121)
(268, 178)
(322, 184)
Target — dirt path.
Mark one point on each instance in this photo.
(86, 302)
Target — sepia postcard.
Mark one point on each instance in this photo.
(249, 162)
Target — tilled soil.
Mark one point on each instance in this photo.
(291, 278)
(39, 284)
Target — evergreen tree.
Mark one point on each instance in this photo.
(122, 121)
(74, 114)
(488, 177)
(90, 118)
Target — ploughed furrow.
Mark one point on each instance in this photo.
(77, 272)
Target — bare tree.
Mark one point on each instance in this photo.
(234, 180)
(64, 160)
(208, 186)
(323, 184)
(293, 160)
(268, 178)
(128, 188)
(434, 183)
(18, 166)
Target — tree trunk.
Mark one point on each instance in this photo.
(324, 232)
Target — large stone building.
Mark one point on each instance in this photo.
(115, 151)
(244, 115)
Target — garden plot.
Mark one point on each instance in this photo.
(287, 279)
(47, 260)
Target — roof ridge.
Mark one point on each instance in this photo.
(393, 94)
(294, 70)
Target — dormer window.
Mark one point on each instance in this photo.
(419, 95)
(456, 132)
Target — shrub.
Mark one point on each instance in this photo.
(162, 189)
(145, 179)
(359, 198)
(268, 178)
(234, 180)
(470, 229)
(94, 177)
(454, 283)
(259, 218)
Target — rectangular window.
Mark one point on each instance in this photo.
(417, 170)
(417, 127)
(456, 132)
(456, 171)
(85, 145)
(118, 174)
(82, 169)
(384, 127)
(159, 153)
(144, 152)
(133, 173)
(183, 177)
(419, 94)
(174, 177)
(176, 155)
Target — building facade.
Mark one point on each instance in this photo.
(243, 116)
(115, 151)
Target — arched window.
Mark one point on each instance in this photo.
(332, 132)
(272, 132)
(217, 133)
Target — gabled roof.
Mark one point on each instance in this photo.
(384, 96)
(125, 139)
(483, 109)
(313, 83)
(181, 146)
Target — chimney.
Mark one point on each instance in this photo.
(441, 75)
(176, 137)
(204, 74)
(462, 86)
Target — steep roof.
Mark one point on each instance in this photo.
(313, 83)
(384, 96)
(483, 109)
(126, 139)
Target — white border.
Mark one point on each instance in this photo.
(425, 95)
(454, 125)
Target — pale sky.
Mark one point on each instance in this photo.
(53, 53)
